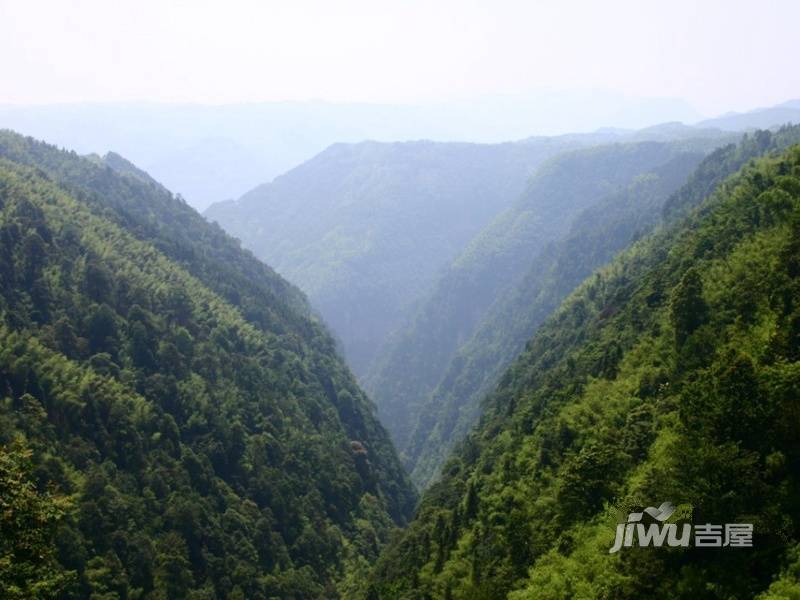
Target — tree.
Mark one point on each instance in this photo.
(102, 330)
(688, 310)
(173, 574)
(28, 520)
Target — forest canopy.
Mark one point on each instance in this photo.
(199, 432)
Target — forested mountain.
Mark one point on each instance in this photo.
(595, 236)
(669, 375)
(424, 355)
(364, 228)
(174, 422)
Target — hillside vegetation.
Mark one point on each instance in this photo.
(425, 352)
(197, 432)
(596, 235)
(670, 375)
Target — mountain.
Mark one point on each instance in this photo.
(125, 167)
(761, 118)
(365, 228)
(174, 421)
(492, 264)
(662, 132)
(671, 375)
(595, 236)
(182, 146)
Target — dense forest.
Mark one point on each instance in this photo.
(595, 236)
(410, 250)
(669, 375)
(174, 421)
(399, 300)
(412, 378)
(448, 410)
(177, 422)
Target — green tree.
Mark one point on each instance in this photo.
(688, 310)
(28, 520)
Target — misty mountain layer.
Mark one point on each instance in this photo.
(365, 229)
(210, 153)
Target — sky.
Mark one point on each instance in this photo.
(716, 55)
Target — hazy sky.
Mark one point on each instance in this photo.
(718, 55)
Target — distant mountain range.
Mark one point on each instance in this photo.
(761, 118)
(213, 153)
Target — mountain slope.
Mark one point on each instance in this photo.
(364, 228)
(210, 441)
(671, 375)
(492, 264)
(595, 237)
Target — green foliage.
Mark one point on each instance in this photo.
(28, 522)
(604, 410)
(212, 442)
(787, 585)
(596, 235)
(577, 212)
(688, 310)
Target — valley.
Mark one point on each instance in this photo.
(403, 370)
